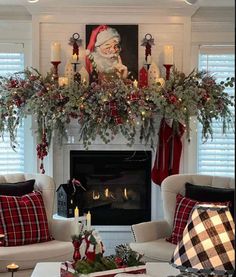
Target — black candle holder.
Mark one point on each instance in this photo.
(75, 66)
(147, 65)
(12, 268)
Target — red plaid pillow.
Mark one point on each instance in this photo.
(23, 219)
(183, 209)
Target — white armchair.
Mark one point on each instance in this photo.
(59, 249)
(150, 236)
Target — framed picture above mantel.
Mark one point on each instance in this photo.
(113, 48)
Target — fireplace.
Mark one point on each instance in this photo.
(117, 185)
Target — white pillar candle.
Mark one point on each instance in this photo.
(55, 52)
(76, 221)
(88, 218)
(168, 54)
(63, 81)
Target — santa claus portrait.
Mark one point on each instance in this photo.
(112, 50)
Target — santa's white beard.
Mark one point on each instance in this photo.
(105, 63)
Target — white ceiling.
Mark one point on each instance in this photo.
(155, 3)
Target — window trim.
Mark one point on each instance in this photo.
(190, 148)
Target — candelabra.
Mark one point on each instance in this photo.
(75, 42)
(148, 42)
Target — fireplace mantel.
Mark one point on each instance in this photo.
(59, 160)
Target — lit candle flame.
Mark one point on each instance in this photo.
(125, 193)
(107, 192)
(135, 83)
(75, 57)
(12, 266)
(96, 196)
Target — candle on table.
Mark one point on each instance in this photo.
(55, 52)
(12, 267)
(168, 54)
(76, 222)
(135, 83)
(63, 81)
(88, 218)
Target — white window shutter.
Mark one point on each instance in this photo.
(11, 60)
(217, 156)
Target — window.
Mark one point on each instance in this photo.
(217, 156)
(11, 60)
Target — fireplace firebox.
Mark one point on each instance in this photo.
(117, 185)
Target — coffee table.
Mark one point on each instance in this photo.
(52, 269)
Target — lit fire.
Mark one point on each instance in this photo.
(96, 195)
(107, 192)
(125, 193)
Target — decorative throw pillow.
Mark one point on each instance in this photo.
(210, 194)
(23, 219)
(183, 209)
(17, 189)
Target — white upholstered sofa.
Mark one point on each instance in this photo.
(57, 250)
(150, 236)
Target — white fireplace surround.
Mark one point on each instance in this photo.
(60, 163)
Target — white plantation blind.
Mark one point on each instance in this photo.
(11, 60)
(217, 156)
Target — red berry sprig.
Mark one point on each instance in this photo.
(42, 151)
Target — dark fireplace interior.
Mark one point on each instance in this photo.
(117, 183)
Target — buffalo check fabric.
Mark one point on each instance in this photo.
(23, 219)
(208, 242)
(183, 208)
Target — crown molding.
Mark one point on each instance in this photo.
(114, 10)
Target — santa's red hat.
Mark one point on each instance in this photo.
(99, 35)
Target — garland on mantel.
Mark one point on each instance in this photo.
(110, 106)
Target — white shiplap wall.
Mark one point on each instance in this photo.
(164, 31)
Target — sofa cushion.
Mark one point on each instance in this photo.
(23, 219)
(210, 194)
(27, 256)
(156, 250)
(183, 209)
(18, 188)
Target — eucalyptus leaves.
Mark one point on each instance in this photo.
(111, 106)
